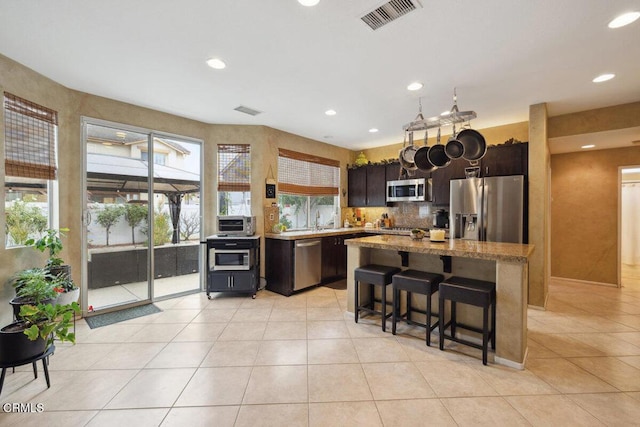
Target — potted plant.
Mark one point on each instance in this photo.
(51, 240)
(33, 286)
(34, 333)
(67, 291)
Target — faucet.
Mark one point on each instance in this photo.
(317, 225)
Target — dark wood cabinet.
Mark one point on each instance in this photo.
(367, 186)
(279, 265)
(376, 185)
(502, 160)
(334, 256)
(440, 180)
(357, 183)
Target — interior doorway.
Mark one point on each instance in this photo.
(630, 226)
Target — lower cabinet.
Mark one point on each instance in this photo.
(334, 257)
(233, 281)
(280, 261)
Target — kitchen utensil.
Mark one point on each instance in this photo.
(436, 154)
(421, 158)
(406, 155)
(454, 148)
(475, 146)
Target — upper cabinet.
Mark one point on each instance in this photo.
(502, 160)
(367, 186)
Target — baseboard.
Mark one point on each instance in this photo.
(511, 363)
(560, 280)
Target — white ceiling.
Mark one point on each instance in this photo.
(293, 62)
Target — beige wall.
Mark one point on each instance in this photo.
(494, 136)
(584, 213)
(72, 105)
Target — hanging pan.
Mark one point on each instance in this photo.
(421, 158)
(406, 155)
(454, 148)
(475, 146)
(436, 154)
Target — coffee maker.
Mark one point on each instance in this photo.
(440, 219)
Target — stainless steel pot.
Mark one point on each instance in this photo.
(406, 155)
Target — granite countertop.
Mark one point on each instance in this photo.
(511, 252)
(310, 234)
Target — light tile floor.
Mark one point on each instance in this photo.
(302, 361)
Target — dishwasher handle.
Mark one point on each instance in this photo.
(306, 244)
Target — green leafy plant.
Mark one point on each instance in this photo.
(161, 228)
(50, 240)
(108, 217)
(34, 285)
(134, 214)
(62, 283)
(24, 220)
(49, 321)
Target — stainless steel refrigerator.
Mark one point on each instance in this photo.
(490, 209)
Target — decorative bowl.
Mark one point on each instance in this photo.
(417, 234)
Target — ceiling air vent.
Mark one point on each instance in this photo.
(388, 12)
(247, 110)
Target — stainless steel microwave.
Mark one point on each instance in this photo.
(409, 190)
(237, 225)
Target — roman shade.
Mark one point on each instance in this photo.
(30, 139)
(309, 175)
(234, 167)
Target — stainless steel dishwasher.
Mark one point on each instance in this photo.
(308, 263)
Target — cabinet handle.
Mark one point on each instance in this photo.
(486, 170)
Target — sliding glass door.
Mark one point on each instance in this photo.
(142, 216)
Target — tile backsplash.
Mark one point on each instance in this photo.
(402, 214)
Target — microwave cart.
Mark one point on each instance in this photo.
(233, 264)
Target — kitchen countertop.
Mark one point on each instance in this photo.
(310, 234)
(511, 252)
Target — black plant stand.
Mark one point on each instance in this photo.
(44, 357)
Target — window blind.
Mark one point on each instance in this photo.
(309, 175)
(234, 167)
(30, 139)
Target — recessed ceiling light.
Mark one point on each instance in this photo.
(373, 130)
(216, 63)
(603, 78)
(445, 113)
(330, 112)
(588, 146)
(308, 2)
(415, 86)
(624, 19)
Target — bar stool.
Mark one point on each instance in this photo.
(375, 275)
(474, 292)
(419, 282)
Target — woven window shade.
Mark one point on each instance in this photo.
(307, 175)
(234, 167)
(29, 139)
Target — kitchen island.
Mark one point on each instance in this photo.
(506, 264)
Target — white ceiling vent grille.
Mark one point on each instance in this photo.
(388, 12)
(247, 110)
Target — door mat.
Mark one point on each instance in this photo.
(105, 319)
(340, 284)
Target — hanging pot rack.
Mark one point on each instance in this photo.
(448, 119)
